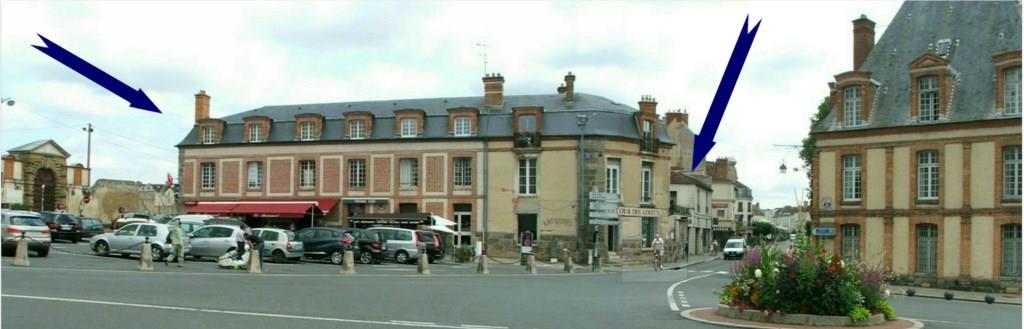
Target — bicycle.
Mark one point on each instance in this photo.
(659, 264)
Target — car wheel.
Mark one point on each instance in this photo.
(76, 240)
(401, 256)
(102, 248)
(365, 257)
(278, 256)
(158, 253)
(337, 257)
(43, 253)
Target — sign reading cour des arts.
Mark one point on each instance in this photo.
(639, 212)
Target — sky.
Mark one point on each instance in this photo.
(250, 54)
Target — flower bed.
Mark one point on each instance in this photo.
(807, 281)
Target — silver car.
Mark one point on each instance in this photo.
(17, 222)
(280, 245)
(129, 239)
(213, 240)
(400, 245)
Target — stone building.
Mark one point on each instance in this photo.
(692, 197)
(918, 164)
(497, 165)
(107, 196)
(36, 176)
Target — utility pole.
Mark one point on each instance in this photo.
(581, 122)
(88, 149)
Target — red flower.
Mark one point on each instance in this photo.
(824, 251)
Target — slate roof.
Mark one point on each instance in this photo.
(978, 30)
(37, 144)
(607, 118)
(679, 178)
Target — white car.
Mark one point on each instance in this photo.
(734, 248)
(280, 245)
(129, 239)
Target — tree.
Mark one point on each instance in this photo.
(764, 229)
(807, 152)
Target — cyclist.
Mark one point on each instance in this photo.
(659, 252)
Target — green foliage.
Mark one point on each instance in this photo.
(883, 306)
(807, 152)
(764, 229)
(859, 313)
(463, 254)
(20, 206)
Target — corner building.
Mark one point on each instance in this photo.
(497, 165)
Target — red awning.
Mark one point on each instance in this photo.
(265, 208)
(218, 208)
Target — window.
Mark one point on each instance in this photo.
(307, 174)
(463, 126)
(357, 129)
(255, 175)
(269, 235)
(255, 133)
(357, 173)
(928, 175)
(527, 176)
(208, 175)
(1011, 259)
(463, 172)
(409, 173)
(306, 131)
(408, 127)
(647, 230)
(1011, 91)
(647, 144)
(851, 178)
(851, 241)
(927, 242)
(146, 230)
(928, 98)
(612, 177)
(527, 123)
(851, 106)
(209, 135)
(1011, 172)
(646, 184)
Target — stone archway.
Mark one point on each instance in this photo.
(44, 198)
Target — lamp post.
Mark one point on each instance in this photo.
(581, 122)
(88, 148)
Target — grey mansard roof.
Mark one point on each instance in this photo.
(607, 118)
(978, 31)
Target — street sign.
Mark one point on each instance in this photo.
(86, 199)
(639, 212)
(603, 222)
(597, 205)
(600, 196)
(825, 231)
(603, 214)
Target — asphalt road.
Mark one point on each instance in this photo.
(72, 289)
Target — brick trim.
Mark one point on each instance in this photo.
(415, 114)
(261, 121)
(855, 79)
(1000, 145)
(1002, 62)
(470, 112)
(915, 152)
(899, 130)
(316, 119)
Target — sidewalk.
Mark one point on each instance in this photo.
(694, 260)
(972, 296)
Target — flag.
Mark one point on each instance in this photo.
(170, 180)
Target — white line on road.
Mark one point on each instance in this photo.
(269, 315)
(668, 293)
(482, 327)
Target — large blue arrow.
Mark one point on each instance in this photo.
(705, 140)
(135, 97)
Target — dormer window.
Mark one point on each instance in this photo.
(209, 135)
(928, 98)
(306, 130)
(463, 126)
(852, 98)
(255, 133)
(408, 127)
(1011, 90)
(357, 129)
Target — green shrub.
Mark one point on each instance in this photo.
(883, 306)
(464, 254)
(859, 314)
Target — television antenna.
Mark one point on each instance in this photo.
(483, 54)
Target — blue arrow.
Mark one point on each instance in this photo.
(704, 141)
(135, 97)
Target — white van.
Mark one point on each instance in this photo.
(734, 248)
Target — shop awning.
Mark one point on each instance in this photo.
(265, 208)
(212, 208)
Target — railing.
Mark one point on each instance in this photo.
(649, 144)
(527, 139)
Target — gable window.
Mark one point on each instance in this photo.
(208, 175)
(647, 144)
(306, 131)
(463, 126)
(209, 135)
(851, 241)
(851, 178)
(927, 245)
(255, 133)
(1011, 91)
(1011, 257)
(307, 174)
(255, 173)
(357, 129)
(928, 175)
(527, 176)
(357, 173)
(408, 173)
(928, 98)
(612, 177)
(851, 106)
(463, 172)
(1011, 172)
(646, 183)
(408, 127)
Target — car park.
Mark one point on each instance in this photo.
(121, 222)
(62, 226)
(326, 243)
(213, 241)
(191, 223)
(734, 248)
(128, 240)
(280, 245)
(15, 223)
(90, 226)
(401, 245)
(433, 244)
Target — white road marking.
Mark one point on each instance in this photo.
(722, 272)
(204, 310)
(482, 327)
(668, 293)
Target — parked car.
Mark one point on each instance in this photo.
(128, 240)
(432, 240)
(401, 245)
(62, 226)
(90, 226)
(326, 243)
(191, 223)
(280, 245)
(734, 248)
(15, 222)
(370, 245)
(225, 221)
(213, 241)
(121, 222)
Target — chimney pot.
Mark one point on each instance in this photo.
(570, 94)
(647, 104)
(202, 106)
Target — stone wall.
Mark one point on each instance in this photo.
(109, 195)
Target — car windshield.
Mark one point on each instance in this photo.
(27, 221)
(290, 234)
(734, 244)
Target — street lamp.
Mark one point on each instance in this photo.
(7, 100)
(581, 122)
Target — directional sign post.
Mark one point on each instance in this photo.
(604, 208)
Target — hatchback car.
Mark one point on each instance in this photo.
(17, 222)
(734, 248)
(129, 239)
(213, 240)
(434, 248)
(280, 245)
(401, 245)
(327, 243)
(370, 247)
(62, 226)
(90, 226)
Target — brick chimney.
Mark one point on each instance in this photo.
(648, 104)
(677, 116)
(569, 80)
(494, 88)
(722, 167)
(863, 40)
(202, 106)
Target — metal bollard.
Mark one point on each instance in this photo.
(21, 254)
(597, 264)
(569, 267)
(481, 265)
(349, 265)
(531, 264)
(423, 268)
(254, 261)
(146, 258)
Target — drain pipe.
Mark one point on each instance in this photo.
(487, 153)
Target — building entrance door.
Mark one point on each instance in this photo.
(43, 196)
(463, 231)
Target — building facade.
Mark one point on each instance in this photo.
(36, 176)
(497, 165)
(690, 196)
(918, 165)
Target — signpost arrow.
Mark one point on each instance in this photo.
(603, 214)
(705, 140)
(135, 97)
(597, 205)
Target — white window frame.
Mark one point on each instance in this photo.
(1012, 172)
(463, 126)
(306, 129)
(408, 127)
(307, 174)
(408, 173)
(928, 175)
(209, 135)
(255, 175)
(357, 173)
(851, 241)
(928, 98)
(1011, 90)
(208, 172)
(1010, 262)
(357, 129)
(646, 184)
(462, 175)
(852, 106)
(852, 177)
(613, 177)
(526, 176)
(255, 133)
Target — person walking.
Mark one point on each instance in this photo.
(686, 249)
(239, 243)
(177, 247)
(255, 243)
(659, 251)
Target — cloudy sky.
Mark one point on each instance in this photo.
(248, 55)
